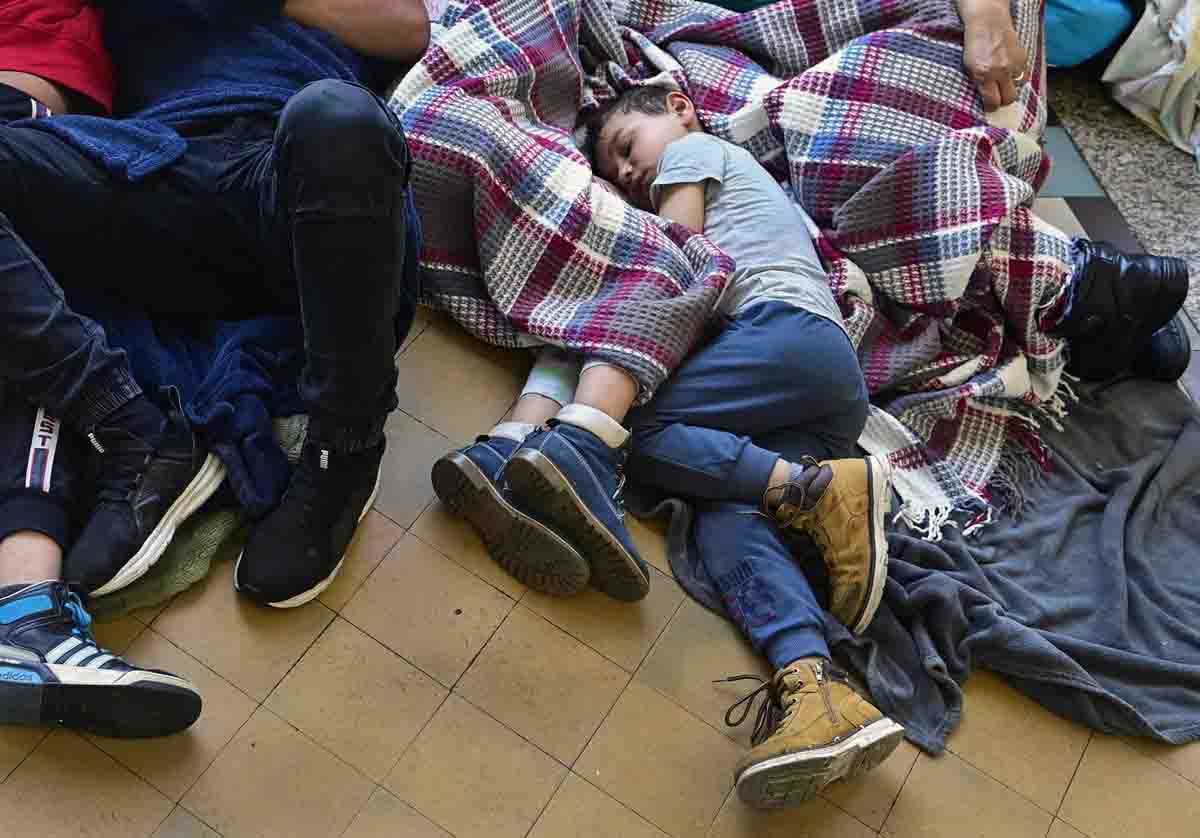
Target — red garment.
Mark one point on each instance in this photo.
(59, 40)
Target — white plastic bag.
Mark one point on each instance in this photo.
(1156, 73)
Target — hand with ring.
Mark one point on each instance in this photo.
(992, 52)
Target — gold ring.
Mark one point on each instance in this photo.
(1019, 78)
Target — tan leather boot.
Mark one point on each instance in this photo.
(813, 728)
(841, 504)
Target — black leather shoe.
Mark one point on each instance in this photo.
(1165, 354)
(1117, 302)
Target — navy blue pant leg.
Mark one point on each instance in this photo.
(778, 381)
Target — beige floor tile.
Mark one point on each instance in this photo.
(148, 614)
(662, 762)
(271, 780)
(1062, 829)
(117, 635)
(357, 698)
(68, 788)
(1039, 762)
(473, 776)
(428, 609)
(455, 538)
(1058, 212)
(814, 819)
(544, 684)
(870, 797)
(421, 320)
(651, 539)
(1120, 792)
(456, 384)
(946, 797)
(697, 648)
(172, 763)
(384, 816)
(16, 743)
(1184, 760)
(183, 824)
(246, 644)
(376, 535)
(580, 810)
(623, 632)
(404, 486)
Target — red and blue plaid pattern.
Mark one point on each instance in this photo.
(861, 107)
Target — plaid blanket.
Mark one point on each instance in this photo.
(861, 107)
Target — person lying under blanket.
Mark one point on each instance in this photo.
(252, 170)
(757, 428)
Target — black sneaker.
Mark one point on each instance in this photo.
(143, 495)
(52, 672)
(296, 551)
(470, 481)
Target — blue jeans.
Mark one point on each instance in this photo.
(305, 212)
(778, 381)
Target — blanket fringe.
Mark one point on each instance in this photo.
(1025, 459)
(926, 522)
(1018, 469)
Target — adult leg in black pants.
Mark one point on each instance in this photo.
(307, 215)
(341, 168)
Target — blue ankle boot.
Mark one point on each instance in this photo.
(574, 478)
(470, 481)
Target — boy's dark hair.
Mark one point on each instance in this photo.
(649, 99)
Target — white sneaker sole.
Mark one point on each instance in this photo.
(315, 591)
(879, 472)
(793, 778)
(204, 484)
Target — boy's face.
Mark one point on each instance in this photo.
(631, 144)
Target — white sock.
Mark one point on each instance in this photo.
(516, 431)
(598, 422)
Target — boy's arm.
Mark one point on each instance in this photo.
(683, 203)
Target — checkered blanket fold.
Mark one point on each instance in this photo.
(861, 107)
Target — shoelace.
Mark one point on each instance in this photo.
(305, 485)
(125, 463)
(772, 713)
(782, 489)
(83, 621)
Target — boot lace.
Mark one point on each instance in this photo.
(788, 487)
(774, 711)
(124, 464)
(81, 622)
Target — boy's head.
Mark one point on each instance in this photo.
(626, 140)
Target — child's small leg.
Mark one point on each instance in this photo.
(821, 728)
(533, 409)
(606, 388)
(57, 674)
(572, 472)
(470, 481)
(27, 557)
(551, 384)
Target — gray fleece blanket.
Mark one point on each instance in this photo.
(1088, 601)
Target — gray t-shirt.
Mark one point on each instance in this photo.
(749, 216)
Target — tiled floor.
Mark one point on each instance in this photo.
(427, 695)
